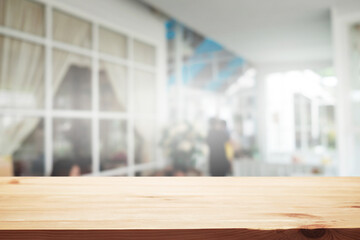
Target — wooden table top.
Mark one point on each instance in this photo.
(129, 203)
(179, 203)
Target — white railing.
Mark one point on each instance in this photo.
(246, 167)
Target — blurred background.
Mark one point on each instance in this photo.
(180, 88)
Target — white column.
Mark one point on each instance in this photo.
(261, 118)
(95, 137)
(48, 139)
(131, 111)
(342, 63)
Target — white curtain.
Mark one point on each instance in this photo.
(21, 85)
(22, 67)
(22, 15)
(144, 103)
(72, 30)
(117, 78)
(144, 92)
(144, 141)
(144, 96)
(115, 44)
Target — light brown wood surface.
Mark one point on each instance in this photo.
(151, 205)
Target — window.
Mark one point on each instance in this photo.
(72, 141)
(327, 126)
(78, 90)
(354, 99)
(71, 30)
(303, 134)
(144, 92)
(71, 81)
(113, 144)
(113, 87)
(32, 14)
(112, 43)
(25, 88)
(144, 53)
(144, 141)
(23, 139)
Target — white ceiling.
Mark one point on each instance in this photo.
(262, 31)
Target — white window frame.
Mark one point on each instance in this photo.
(48, 113)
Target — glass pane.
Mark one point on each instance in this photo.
(144, 92)
(355, 72)
(112, 87)
(71, 30)
(355, 99)
(356, 152)
(307, 112)
(22, 142)
(21, 74)
(200, 76)
(72, 142)
(298, 139)
(112, 43)
(144, 53)
(22, 15)
(71, 81)
(355, 58)
(145, 141)
(309, 138)
(113, 144)
(297, 107)
(356, 113)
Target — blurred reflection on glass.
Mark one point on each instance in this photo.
(72, 141)
(25, 88)
(112, 87)
(302, 115)
(23, 15)
(22, 141)
(71, 81)
(112, 43)
(145, 141)
(144, 53)
(355, 74)
(356, 113)
(202, 78)
(356, 149)
(113, 147)
(144, 92)
(327, 126)
(355, 59)
(70, 29)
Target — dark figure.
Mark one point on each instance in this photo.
(65, 168)
(217, 137)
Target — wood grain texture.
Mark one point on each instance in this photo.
(193, 234)
(168, 208)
